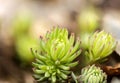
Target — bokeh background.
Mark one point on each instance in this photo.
(23, 21)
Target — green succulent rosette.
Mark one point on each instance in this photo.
(56, 56)
(100, 45)
(92, 74)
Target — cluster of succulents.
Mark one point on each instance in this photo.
(56, 56)
(93, 74)
(97, 45)
(58, 52)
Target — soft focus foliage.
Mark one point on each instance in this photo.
(23, 45)
(23, 39)
(21, 24)
(93, 74)
(56, 57)
(88, 20)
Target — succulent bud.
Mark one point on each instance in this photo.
(57, 53)
(84, 40)
(93, 74)
(101, 44)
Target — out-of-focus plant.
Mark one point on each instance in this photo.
(96, 45)
(56, 56)
(100, 45)
(84, 40)
(23, 45)
(21, 24)
(23, 39)
(88, 20)
(92, 74)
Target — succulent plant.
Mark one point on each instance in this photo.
(93, 74)
(56, 56)
(88, 20)
(100, 45)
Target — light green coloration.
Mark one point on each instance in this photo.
(84, 40)
(23, 45)
(88, 20)
(22, 37)
(21, 24)
(93, 74)
(56, 57)
(100, 45)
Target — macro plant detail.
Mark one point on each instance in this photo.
(100, 45)
(59, 41)
(93, 74)
(56, 56)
